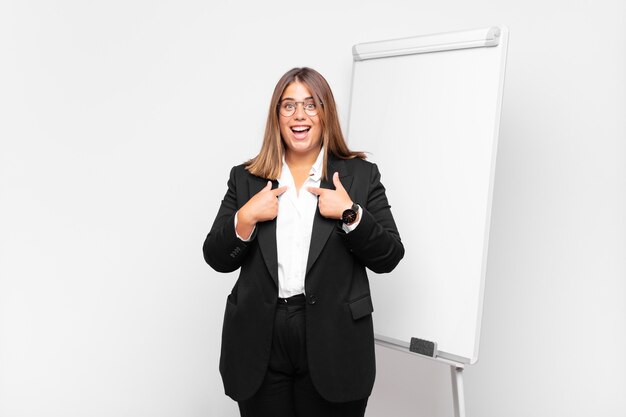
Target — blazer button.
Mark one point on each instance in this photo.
(312, 299)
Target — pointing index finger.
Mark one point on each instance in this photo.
(278, 191)
(315, 190)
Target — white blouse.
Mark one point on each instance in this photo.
(294, 225)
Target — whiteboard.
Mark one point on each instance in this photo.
(427, 110)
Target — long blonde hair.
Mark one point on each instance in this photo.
(269, 161)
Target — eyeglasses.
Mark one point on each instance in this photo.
(288, 107)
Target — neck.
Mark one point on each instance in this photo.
(301, 160)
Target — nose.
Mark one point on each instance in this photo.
(299, 114)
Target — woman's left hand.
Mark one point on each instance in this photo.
(332, 203)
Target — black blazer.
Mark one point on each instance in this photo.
(339, 333)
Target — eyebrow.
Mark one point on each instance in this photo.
(293, 99)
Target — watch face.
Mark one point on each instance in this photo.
(349, 216)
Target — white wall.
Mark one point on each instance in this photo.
(119, 121)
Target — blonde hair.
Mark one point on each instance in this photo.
(269, 161)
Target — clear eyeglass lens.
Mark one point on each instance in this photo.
(288, 108)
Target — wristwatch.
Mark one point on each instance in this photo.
(349, 215)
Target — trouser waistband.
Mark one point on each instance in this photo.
(296, 300)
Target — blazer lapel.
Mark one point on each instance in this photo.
(266, 231)
(323, 227)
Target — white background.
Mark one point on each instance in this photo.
(119, 121)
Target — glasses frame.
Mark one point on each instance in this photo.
(315, 113)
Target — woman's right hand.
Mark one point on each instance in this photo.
(263, 206)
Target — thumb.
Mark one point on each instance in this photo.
(336, 181)
(268, 186)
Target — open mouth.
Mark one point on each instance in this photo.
(300, 132)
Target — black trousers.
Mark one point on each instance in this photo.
(287, 390)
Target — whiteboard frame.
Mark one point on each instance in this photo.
(493, 36)
(448, 41)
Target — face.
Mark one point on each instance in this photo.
(301, 132)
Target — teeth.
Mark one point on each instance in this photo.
(299, 129)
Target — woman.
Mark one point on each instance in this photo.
(303, 219)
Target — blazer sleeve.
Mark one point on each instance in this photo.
(222, 249)
(376, 241)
